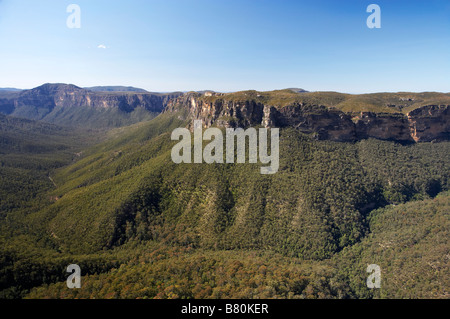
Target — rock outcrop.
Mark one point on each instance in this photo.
(413, 117)
(423, 124)
(62, 95)
(429, 123)
(71, 105)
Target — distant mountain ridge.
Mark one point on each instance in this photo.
(297, 90)
(116, 89)
(337, 116)
(10, 89)
(70, 105)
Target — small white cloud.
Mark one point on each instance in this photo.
(101, 46)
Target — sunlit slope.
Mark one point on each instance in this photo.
(129, 189)
(29, 151)
(407, 241)
(410, 244)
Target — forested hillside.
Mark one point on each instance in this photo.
(408, 241)
(141, 226)
(29, 151)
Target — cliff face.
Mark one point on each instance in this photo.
(426, 123)
(430, 122)
(331, 116)
(62, 95)
(71, 105)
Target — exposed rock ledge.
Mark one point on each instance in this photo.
(424, 124)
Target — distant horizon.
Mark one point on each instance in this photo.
(217, 91)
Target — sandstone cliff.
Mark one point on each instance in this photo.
(334, 116)
(71, 105)
(421, 124)
(62, 95)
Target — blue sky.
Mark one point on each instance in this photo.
(168, 45)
